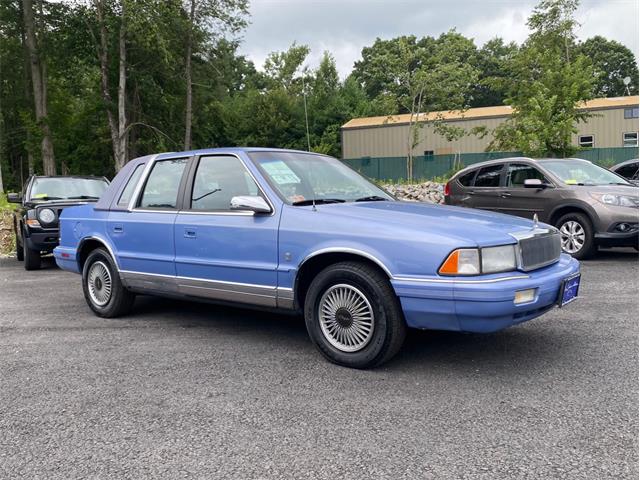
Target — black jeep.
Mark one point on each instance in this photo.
(35, 222)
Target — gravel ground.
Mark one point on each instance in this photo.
(182, 390)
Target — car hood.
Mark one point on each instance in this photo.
(470, 226)
(629, 190)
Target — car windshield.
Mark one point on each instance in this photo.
(67, 188)
(302, 178)
(582, 172)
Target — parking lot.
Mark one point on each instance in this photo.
(190, 390)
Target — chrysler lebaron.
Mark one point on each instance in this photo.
(302, 232)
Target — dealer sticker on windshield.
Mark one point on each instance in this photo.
(569, 289)
(280, 172)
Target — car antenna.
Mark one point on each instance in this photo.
(306, 121)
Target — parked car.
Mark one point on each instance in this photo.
(35, 222)
(303, 232)
(628, 170)
(590, 205)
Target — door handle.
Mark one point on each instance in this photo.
(505, 194)
(118, 229)
(189, 233)
(471, 192)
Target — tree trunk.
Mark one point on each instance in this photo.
(39, 88)
(117, 128)
(187, 62)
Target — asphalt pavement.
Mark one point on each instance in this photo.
(188, 390)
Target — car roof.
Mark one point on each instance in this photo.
(495, 161)
(236, 150)
(96, 177)
(626, 162)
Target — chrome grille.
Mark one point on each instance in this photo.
(538, 251)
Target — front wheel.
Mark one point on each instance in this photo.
(577, 235)
(19, 250)
(103, 289)
(31, 258)
(353, 315)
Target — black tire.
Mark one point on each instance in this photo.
(589, 247)
(119, 300)
(31, 257)
(389, 327)
(19, 250)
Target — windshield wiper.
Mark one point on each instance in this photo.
(624, 184)
(372, 198)
(317, 201)
(45, 198)
(83, 197)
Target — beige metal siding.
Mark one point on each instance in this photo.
(608, 126)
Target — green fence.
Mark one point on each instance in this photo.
(432, 166)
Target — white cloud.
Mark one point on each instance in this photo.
(343, 27)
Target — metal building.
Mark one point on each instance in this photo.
(614, 124)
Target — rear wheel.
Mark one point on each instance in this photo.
(577, 235)
(103, 289)
(353, 315)
(31, 257)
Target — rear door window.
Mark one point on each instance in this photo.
(161, 188)
(466, 180)
(489, 176)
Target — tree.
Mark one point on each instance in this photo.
(553, 82)
(207, 19)
(612, 62)
(116, 126)
(39, 83)
(495, 73)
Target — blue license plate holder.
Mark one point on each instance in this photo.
(569, 290)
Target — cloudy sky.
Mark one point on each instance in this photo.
(343, 27)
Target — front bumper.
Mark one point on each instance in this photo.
(44, 240)
(484, 304)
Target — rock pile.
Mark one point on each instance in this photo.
(431, 192)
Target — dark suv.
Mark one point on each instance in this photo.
(35, 222)
(590, 205)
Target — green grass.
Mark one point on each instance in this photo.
(4, 204)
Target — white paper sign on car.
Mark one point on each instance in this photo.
(280, 172)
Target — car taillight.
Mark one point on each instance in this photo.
(447, 189)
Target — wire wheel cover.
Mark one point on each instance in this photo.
(346, 318)
(99, 284)
(573, 236)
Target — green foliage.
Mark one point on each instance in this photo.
(238, 103)
(552, 82)
(612, 62)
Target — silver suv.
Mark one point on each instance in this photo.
(590, 205)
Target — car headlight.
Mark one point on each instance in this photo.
(474, 261)
(46, 215)
(498, 259)
(618, 200)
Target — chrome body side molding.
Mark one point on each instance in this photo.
(263, 295)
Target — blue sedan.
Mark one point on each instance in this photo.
(297, 231)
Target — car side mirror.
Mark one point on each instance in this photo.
(534, 183)
(255, 204)
(14, 198)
